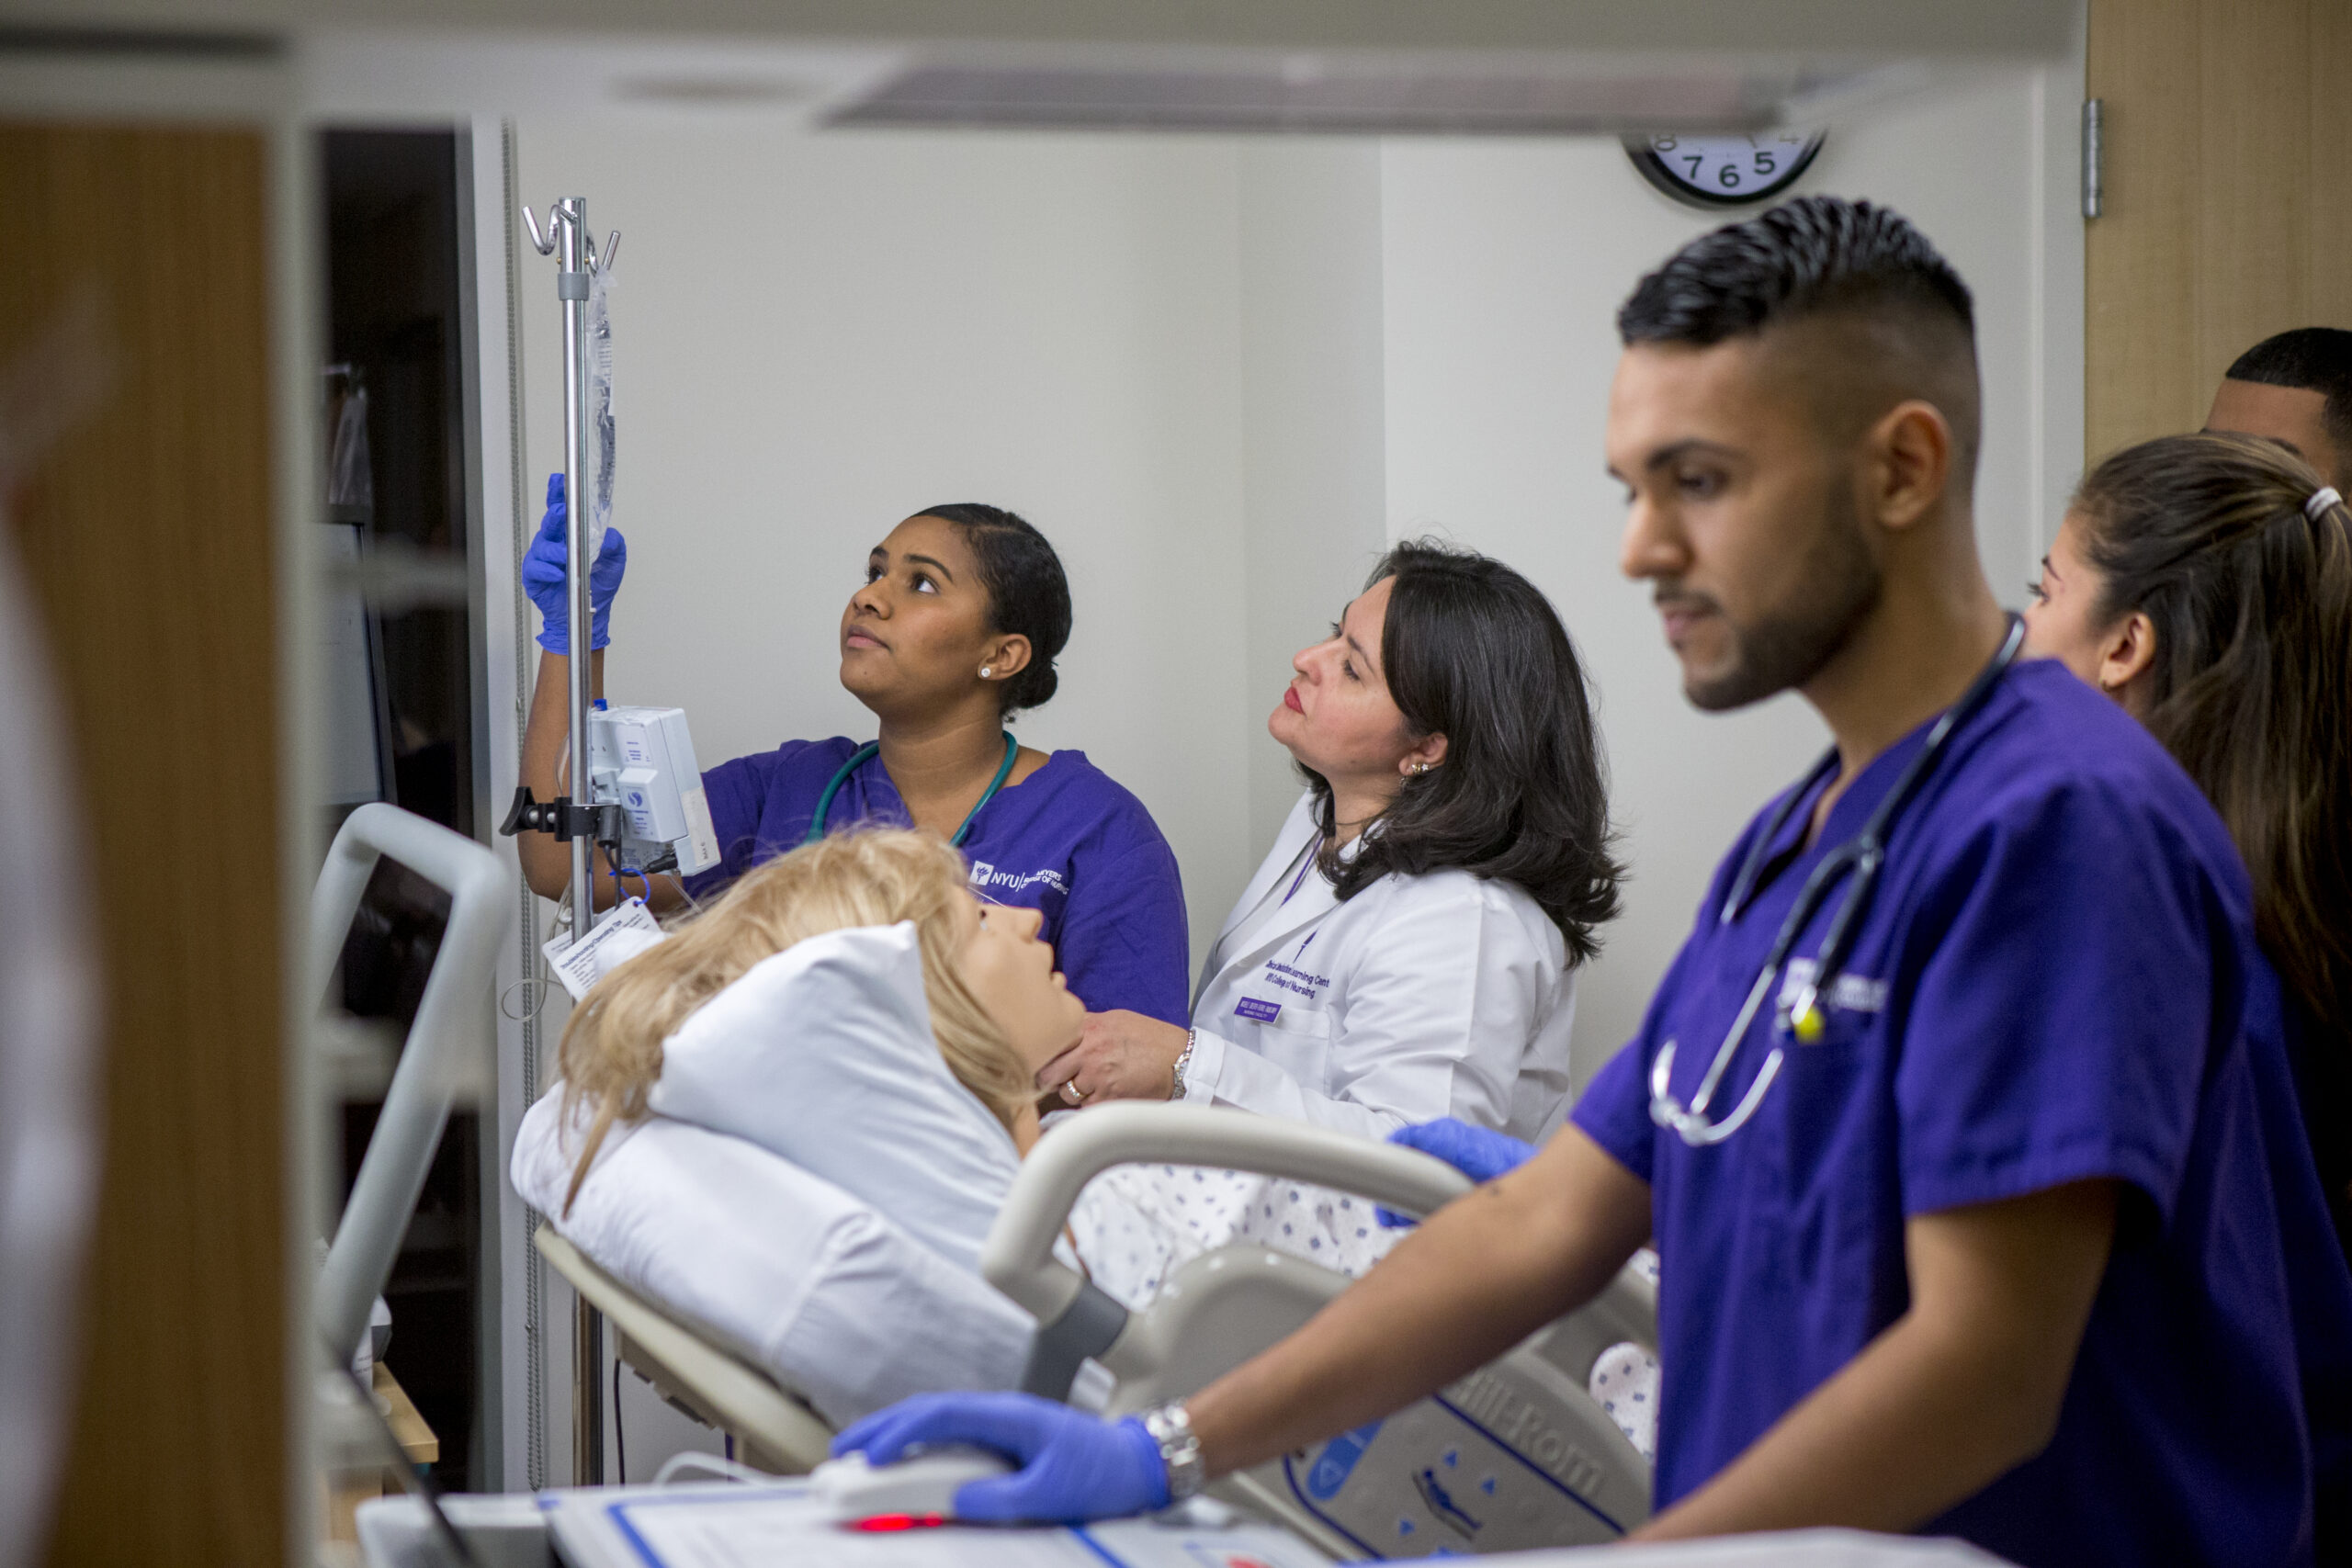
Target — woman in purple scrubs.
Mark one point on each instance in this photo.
(2205, 583)
(963, 612)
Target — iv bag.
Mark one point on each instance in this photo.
(600, 406)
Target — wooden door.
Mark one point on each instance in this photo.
(2228, 199)
(146, 535)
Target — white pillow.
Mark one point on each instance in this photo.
(780, 1268)
(823, 1053)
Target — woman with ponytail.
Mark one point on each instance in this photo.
(2205, 582)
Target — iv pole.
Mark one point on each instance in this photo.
(568, 239)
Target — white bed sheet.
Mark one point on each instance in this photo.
(778, 1266)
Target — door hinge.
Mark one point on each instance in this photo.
(2093, 164)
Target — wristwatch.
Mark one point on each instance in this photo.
(1170, 1427)
(1184, 1060)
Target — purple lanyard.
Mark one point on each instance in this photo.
(1302, 870)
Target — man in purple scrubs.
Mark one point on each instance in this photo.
(1963, 1121)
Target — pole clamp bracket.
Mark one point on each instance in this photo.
(601, 822)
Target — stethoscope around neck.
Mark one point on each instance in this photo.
(1864, 854)
(864, 753)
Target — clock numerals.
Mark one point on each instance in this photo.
(1724, 171)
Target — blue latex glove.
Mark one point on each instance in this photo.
(1073, 1467)
(543, 567)
(1478, 1153)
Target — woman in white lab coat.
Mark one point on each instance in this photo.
(1407, 949)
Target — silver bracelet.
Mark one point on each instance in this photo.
(1184, 1060)
(1171, 1427)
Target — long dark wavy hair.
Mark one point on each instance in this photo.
(1474, 651)
(2251, 598)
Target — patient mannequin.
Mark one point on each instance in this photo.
(998, 1011)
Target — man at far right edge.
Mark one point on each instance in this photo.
(2294, 389)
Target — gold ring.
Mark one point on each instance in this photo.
(1071, 1093)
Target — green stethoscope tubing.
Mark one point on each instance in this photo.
(858, 759)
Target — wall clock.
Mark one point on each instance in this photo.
(1725, 171)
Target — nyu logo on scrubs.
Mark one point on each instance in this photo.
(986, 876)
(1257, 1011)
(1852, 993)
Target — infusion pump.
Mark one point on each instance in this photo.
(643, 761)
(646, 805)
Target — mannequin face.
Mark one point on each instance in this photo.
(2061, 623)
(1011, 974)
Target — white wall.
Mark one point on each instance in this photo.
(1220, 375)
(1314, 483)
(1505, 264)
(816, 336)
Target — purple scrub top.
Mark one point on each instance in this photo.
(2057, 980)
(1067, 841)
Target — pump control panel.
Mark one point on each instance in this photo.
(642, 760)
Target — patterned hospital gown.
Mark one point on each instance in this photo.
(1136, 1225)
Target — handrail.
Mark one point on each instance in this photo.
(448, 1049)
(1018, 1259)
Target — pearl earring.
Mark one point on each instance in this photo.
(984, 671)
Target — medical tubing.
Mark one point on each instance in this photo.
(1018, 1257)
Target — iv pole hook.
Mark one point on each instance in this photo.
(546, 247)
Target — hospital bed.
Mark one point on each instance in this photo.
(1517, 1455)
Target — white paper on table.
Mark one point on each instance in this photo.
(754, 1526)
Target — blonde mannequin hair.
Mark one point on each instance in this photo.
(611, 1054)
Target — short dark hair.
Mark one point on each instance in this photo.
(1806, 257)
(1819, 256)
(1474, 650)
(1028, 595)
(2310, 359)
